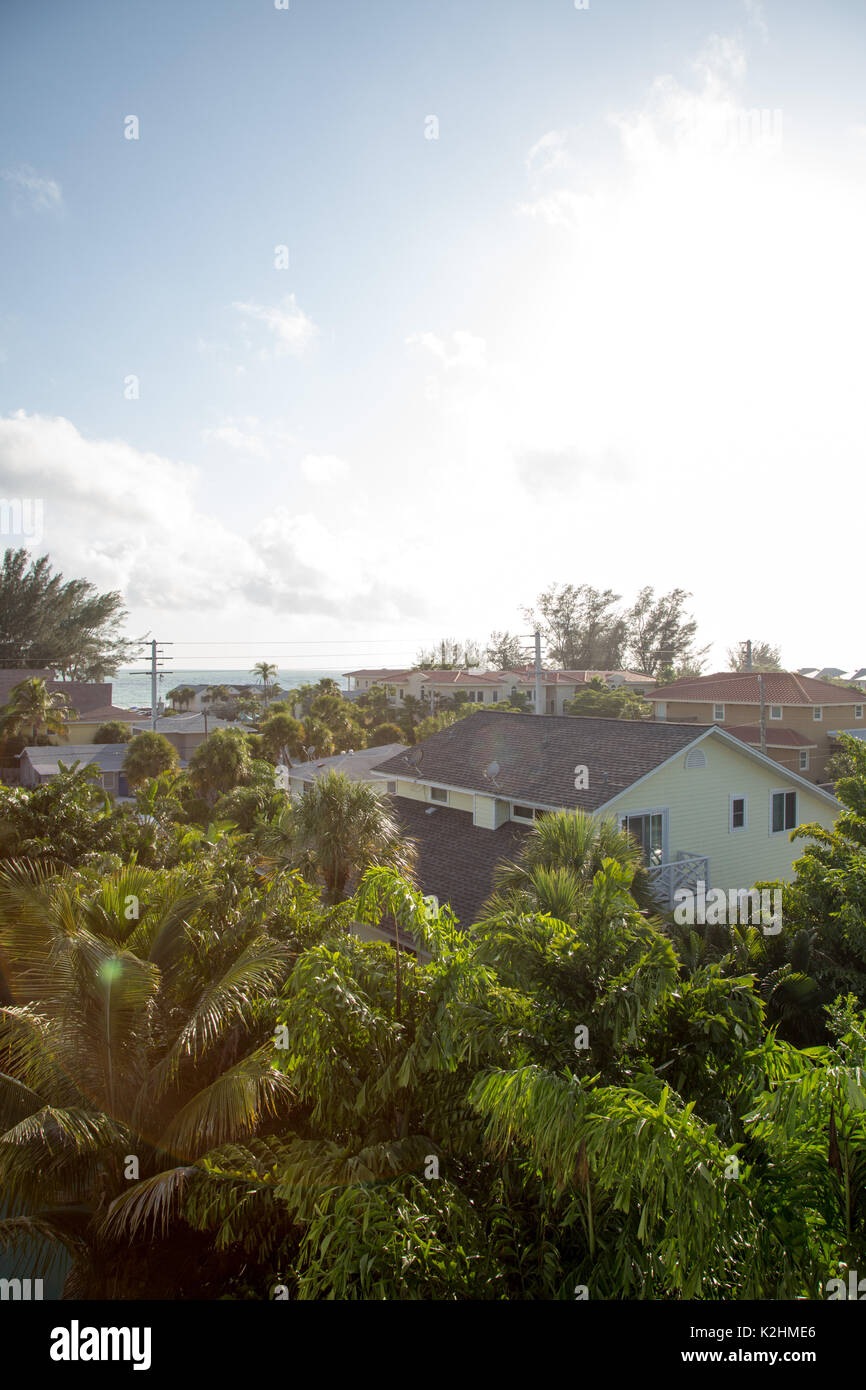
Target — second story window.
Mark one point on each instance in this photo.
(718, 711)
(439, 794)
(858, 711)
(661, 710)
(783, 811)
(775, 711)
(817, 712)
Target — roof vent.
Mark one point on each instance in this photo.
(697, 758)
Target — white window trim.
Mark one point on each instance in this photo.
(817, 713)
(773, 714)
(436, 800)
(523, 820)
(661, 709)
(804, 766)
(858, 711)
(718, 705)
(737, 829)
(783, 791)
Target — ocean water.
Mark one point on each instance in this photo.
(132, 691)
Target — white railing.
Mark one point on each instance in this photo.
(665, 879)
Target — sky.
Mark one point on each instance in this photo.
(330, 330)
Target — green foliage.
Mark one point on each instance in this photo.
(149, 755)
(113, 731)
(384, 733)
(617, 703)
(59, 624)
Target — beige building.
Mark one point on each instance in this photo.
(801, 714)
(491, 687)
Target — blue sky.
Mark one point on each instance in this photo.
(586, 334)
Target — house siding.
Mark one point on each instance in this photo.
(699, 814)
(797, 717)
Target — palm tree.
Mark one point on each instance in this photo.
(568, 847)
(181, 697)
(33, 708)
(265, 670)
(138, 1049)
(344, 827)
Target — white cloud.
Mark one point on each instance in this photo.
(292, 330)
(324, 468)
(31, 190)
(131, 520)
(757, 18)
(548, 154)
(468, 350)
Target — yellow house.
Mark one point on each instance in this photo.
(703, 806)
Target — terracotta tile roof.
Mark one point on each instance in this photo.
(470, 678)
(537, 755)
(741, 688)
(456, 859)
(567, 677)
(776, 737)
(378, 673)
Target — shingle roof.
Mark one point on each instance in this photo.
(101, 716)
(456, 859)
(537, 756)
(81, 695)
(108, 756)
(741, 688)
(355, 765)
(776, 738)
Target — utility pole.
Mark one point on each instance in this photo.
(749, 655)
(152, 671)
(539, 696)
(763, 715)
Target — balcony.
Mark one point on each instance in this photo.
(686, 871)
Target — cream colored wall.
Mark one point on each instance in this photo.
(699, 814)
(418, 791)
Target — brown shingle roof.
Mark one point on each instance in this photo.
(741, 688)
(537, 755)
(456, 859)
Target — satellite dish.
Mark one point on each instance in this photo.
(414, 757)
(492, 771)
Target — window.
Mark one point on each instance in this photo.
(392, 788)
(439, 794)
(784, 811)
(718, 711)
(696, 758)
(738, 813)
(858, 711)
(494, 698)
(804, 760)
(817, 712)
(523, 812)
(661, 709)
(775, 711)
(648, 830)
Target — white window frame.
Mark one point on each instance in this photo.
(438, 800)
(661, 709)
(716, 707)
(773, 709)
(664, 812)
(785, 791)
(524, 820)
(817, 713)
(738, 796)
(804, 754)
(858, 711)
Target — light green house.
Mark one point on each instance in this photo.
(703, 805)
